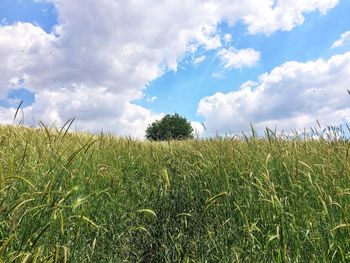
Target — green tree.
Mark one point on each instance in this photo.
(170, 127)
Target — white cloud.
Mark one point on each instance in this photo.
(227, 38)
(269, 16)
(198, 129)
(344, 39)
(234, 58)
(28, 53)
(102, 54)
(95, 110)
(249, 84)
(199, 59)
(7, 115)
(292, 95)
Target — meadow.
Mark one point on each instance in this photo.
(77, 197)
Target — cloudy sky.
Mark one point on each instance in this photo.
(117, 65)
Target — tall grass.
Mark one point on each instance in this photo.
(74, 197)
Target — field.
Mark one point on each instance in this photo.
(75, 197)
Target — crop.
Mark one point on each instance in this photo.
(77, 197)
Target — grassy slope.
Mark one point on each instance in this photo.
(86, 198)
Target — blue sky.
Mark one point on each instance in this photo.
(101, 62)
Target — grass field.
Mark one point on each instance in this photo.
(74, 197)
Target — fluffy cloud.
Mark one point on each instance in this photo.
(198, 129)
(27, 53)
(233, 58)
(292, 95)
(272, 15)
(344, 39)
(7, 115)
(102, 54)
(111, 112)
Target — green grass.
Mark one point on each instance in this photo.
(74, 197)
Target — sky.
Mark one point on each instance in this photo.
(117, 66)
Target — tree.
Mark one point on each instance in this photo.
(170, 127)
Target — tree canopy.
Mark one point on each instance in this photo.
(170, 127)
